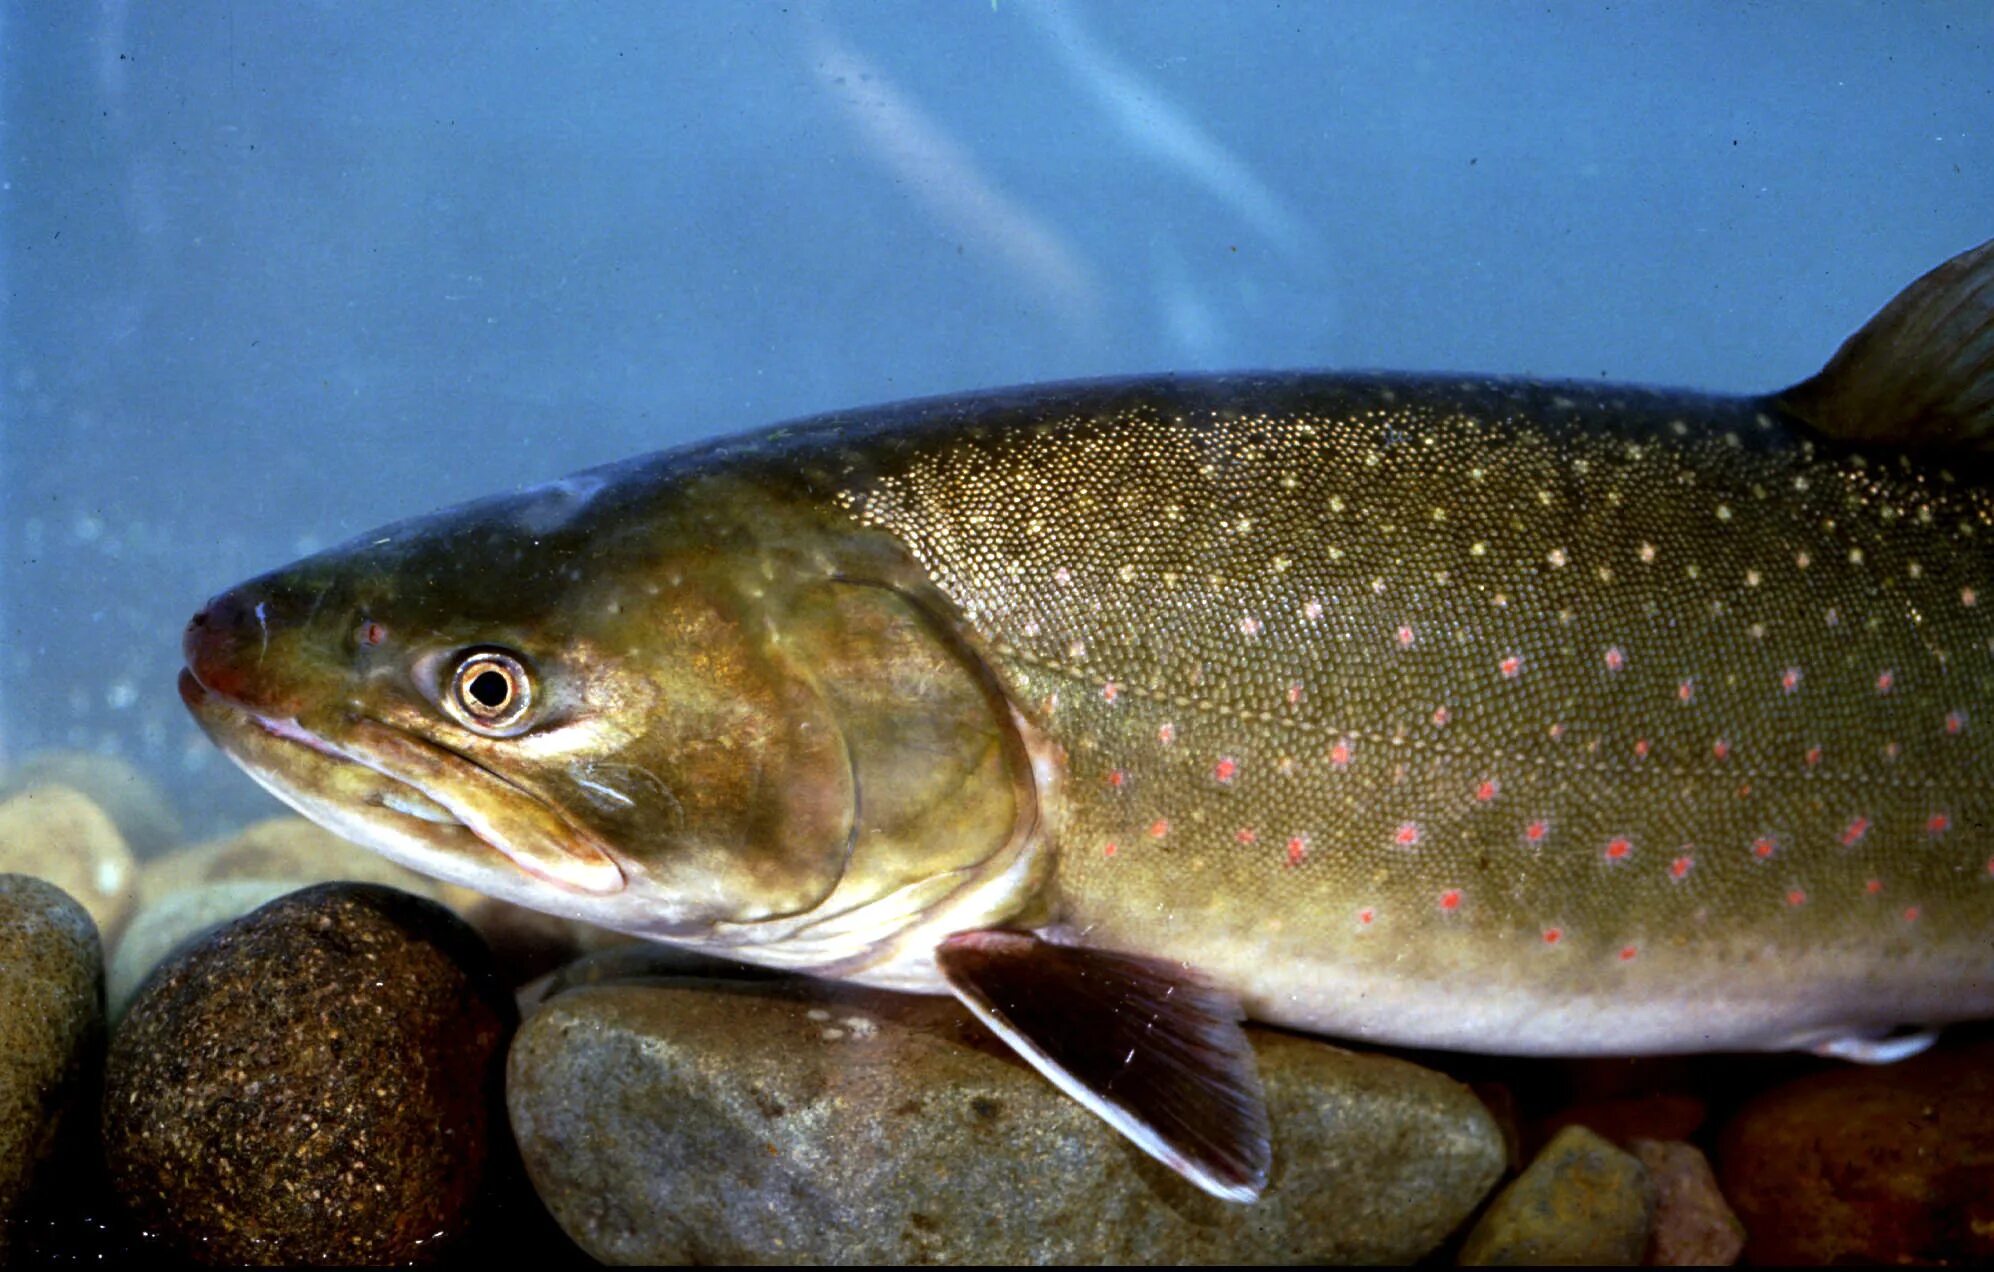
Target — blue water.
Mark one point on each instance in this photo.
(277, 273)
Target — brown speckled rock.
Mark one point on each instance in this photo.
(312, 1083)
(1869, 1164)
(136, 806)
(156, 930)
(57, 834)
(1581, 1201)
(795, 1121)
(1694, 1228)
(50, 1022)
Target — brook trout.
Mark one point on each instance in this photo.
(1443, 711)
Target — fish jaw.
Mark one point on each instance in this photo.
(421, 825)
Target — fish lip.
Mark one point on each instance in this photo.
(209, 708)
(543, 842)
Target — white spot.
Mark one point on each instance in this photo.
(818, 1014)
(1556, 558)
(110, 876)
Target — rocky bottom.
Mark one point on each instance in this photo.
(312, 1057)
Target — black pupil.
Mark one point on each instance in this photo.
(490, 689)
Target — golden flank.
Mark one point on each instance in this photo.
(1452, 712)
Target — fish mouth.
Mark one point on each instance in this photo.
(410, 800)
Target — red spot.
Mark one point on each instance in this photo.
(1686, 691)
(1789, 679)
(1855, 832)
(1627, 953)
(1298, 848)
(1640, 748)
(1405, 637)
(1884, 681)
(1955, 721)
(1245, 835)
(1911, 914)
(1744, 790)
(1407, 834)
(1938, 824)
(1166, 733)
(1796, 897)
(1890, 750)
(1486, 791)
(1680, 867)
(1553, 935)
(1510, 666)
(1615, 660)
(1535, 832)
(1450, 900)
(1295, 692)
(1108, 849)
(1813, 756)
(1763, 847)
(1339, 755)
(1118, 779)
(1617, 848)
(372, 633)
(1110, 691)
(1720, 748)
(1366, 915)
(1557, 731)
(1440, 716)
(1225, 770)
(1159, 828)
(1873, 887)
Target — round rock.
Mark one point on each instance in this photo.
(314, 1082)
(708, 1121)
(51, 968)
(1890, 1164)
(58, 834)
(134, 803)
(1581, 1201)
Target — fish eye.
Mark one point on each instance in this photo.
(490, 691)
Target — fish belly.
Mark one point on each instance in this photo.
(1494, 715)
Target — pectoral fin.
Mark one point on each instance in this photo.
(1143, 1042)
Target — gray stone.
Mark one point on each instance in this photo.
(1582, 1201)
(1694, 1225)
(314, 1082)
(157, 930)
(796, 1121)
(51, 968)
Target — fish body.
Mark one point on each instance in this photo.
(1454, 712)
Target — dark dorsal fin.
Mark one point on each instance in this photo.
(1920, 373)
(1155, 1051)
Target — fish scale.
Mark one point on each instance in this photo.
(1451, 677)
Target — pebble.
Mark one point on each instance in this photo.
(59, 834)
(1582, 1201)
(292, 850)
(1694, 1226)
(795, 1120)
(133, 801)
(1885, 1164)
(50, 1027)
(314, 1082)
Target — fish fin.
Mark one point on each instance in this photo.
(1921, 372)
(1877, 1048)
(1154, 1050)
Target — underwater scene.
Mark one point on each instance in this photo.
(996, 631)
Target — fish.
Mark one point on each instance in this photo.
(1459, 712)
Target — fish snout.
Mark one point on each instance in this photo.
(228, 648)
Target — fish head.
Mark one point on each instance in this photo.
(567, 697)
